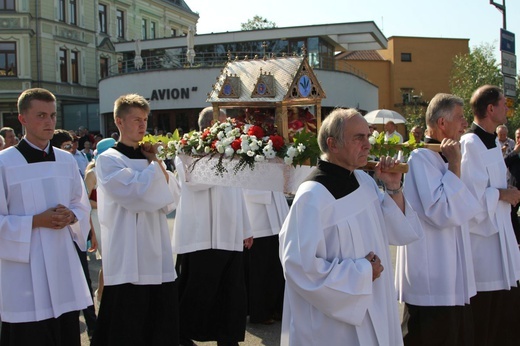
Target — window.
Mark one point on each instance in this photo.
(406, 95)
(63, 66)
(152, 30)
(120, 24)
(103, 67)
(406, 57)
(173, 32)
(143, 29)
(6, 5)
(8, 59)
(74, 64)
(102, 9)
(61, 10)
(73, 11)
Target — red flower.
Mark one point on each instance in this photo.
(214, 144)
(236, 144)
(205, 134)
(184, 142)
(277, 142)
(256, 131)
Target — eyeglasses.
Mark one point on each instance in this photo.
(67, 147)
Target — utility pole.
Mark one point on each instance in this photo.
(501, 8)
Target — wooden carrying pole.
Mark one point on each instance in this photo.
(401, 167)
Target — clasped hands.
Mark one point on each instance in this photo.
(55, 218)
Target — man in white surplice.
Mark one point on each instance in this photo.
(334, 243)
(135, 194)
(434, 275)
(496, 258)
(44, 209)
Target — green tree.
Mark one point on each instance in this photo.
(257, 23)
(473, 70)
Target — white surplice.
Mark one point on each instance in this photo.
(496, 258)
(437, 270)
(330, 298)
(40, 272)
(133, 201)
(267, 211)
(208, 217)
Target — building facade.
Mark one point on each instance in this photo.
(67, 46)
(411, 70)
(178, 89)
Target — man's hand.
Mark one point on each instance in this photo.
(248, 242)
(55, 218)
(510, 195)
(451, 151)
(391, 180)
(150, 151)
(377, 267)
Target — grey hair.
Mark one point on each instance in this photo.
(441, 106)
(501, 127)
(334, 126)
(205, 118)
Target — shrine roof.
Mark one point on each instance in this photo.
(283, 70)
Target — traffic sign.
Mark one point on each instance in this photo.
(509, 86)
(507, 41)
(508, 64)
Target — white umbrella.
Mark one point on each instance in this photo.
(190, 52)
(382, 116)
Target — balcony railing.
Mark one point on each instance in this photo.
(179, 61)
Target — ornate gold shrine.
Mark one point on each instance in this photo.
(280, 83)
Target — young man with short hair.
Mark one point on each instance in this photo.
(44, 209)
(135, 194)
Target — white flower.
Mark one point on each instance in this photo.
(220, 135)
(244, 145)
(269, 152)
(250, 153)
(220, 148)
(291, 151)
(171, 144)
(160, 150)
(288, 160)
(207, 150)
(259, 158)
(372, 140)
(254, 146)
(301, 148)
(229, 151)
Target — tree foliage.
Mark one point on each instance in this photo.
(257, 23)
(473, 70)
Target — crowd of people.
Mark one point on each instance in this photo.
(322, 266)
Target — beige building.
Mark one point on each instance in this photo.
(410, 71)
(67, 46)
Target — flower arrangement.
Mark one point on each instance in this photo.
(248, 144)
(382, 147)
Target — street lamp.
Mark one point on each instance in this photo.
(501, 8)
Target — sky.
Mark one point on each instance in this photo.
(476, 20)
